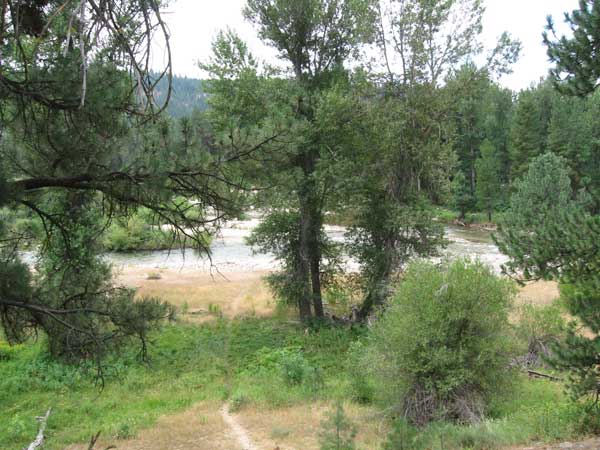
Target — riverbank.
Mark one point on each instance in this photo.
(471, 220)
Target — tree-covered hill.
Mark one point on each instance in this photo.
(187, 95)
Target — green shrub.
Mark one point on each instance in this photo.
(140, 232)
(539, 327)
(214, 309)
(134, 233)
(402, 437)
(293, 367)
(126, 430)
(153, 276)
(361, 386)
(6, 351)
(289, 363)
(440, 349)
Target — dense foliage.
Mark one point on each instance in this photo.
(439, 350)
(81, 143)
(561, 241)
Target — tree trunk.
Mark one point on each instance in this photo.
(379, 285)
(315, 268)
(310, 226)
(304, 296)
(303, 262)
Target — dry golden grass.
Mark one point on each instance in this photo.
(297, 427)
(232, 294)
(200, 427)
(538, 293)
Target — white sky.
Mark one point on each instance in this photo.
(194, 23)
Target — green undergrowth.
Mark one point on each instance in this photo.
(449, 216)
(263, 363)
(187, 364)
(139, 233)
(533, 411)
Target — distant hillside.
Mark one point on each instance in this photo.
(186, 97)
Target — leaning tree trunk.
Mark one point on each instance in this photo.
(379, 287)
(385, 263)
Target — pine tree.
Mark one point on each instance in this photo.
(526, 134)
(548, 234)
(462, 198)
(82, 142)
(489, 188)
(563, 243)
(577, 68)
(338, 433)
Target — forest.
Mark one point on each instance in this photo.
(368, 244)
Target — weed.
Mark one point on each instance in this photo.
(238, 400)
(262, 362)
(185, 307)
(215, 309)
(126, 430)
(280, 433)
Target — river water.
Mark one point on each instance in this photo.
(231, 254)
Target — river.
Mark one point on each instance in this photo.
(231, 254)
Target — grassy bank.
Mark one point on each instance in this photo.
(254, 363)
(451, 217)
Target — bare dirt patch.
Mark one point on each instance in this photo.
(590, 444)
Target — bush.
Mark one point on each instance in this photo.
(289, 363)
(140, 232)
(135, 233)
(362, 389)
(440, 349)
(538, 329)
(402, 436)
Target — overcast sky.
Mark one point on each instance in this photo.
(194, 23)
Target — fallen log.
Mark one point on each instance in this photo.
(39, 440)
(533, 373)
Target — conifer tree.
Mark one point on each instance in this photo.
(81, 142)
(462, 199)
(548, 234)
(565, 246)
(489, 187)
(526, 134)
(337, 433)
(577, 67)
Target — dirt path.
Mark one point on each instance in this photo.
(239, 432)
(590, 444)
